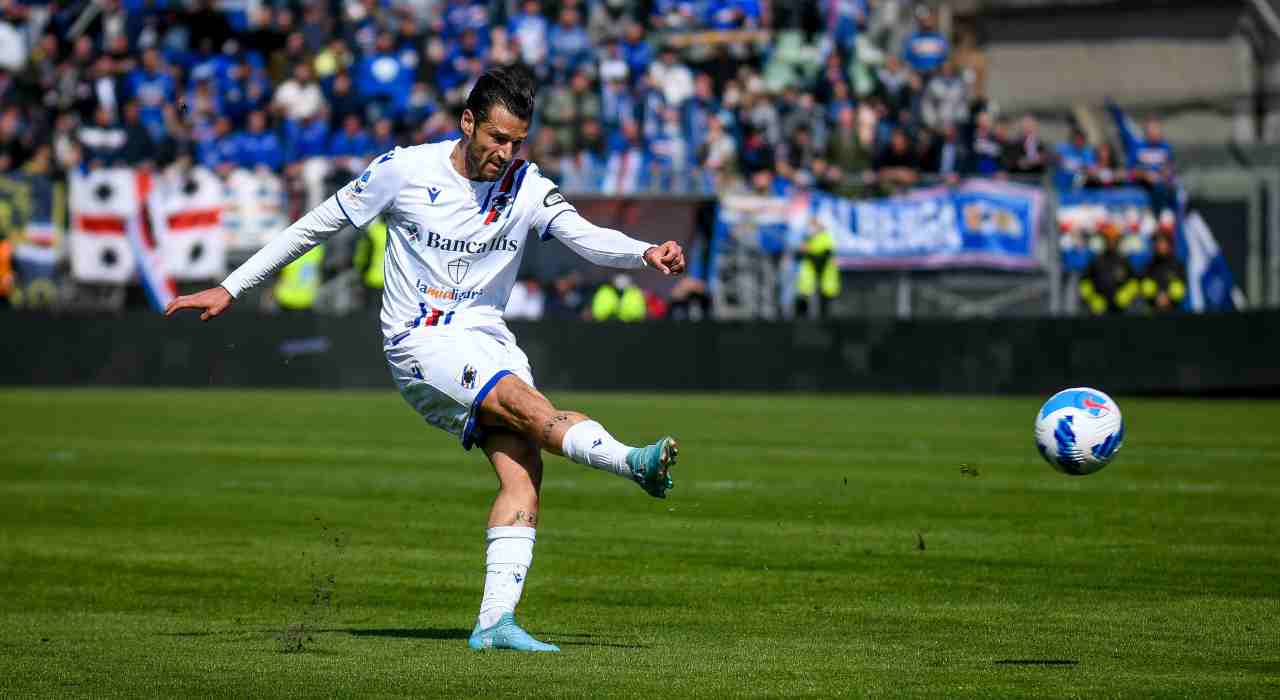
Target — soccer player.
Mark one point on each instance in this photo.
(457, 214)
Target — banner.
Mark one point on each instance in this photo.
(102, 203)
(193, 242)
(1082, 214)
(976, 224)
(31, 209)
(256, 209)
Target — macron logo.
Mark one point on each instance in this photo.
(597, 443)
(433, 192)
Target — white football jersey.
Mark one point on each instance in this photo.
(453, 245)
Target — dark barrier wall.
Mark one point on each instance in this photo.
(1223, 354)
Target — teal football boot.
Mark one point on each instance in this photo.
(651, 466)
(506, 634)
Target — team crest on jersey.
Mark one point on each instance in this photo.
(468, 377)
(414, 236)
(458, 270)
(363, 182)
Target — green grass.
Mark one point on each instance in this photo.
(257, 544)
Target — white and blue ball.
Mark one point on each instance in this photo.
(1079, 431)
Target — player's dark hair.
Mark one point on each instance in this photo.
(511, 86)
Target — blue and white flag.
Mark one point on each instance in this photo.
(1211, 285)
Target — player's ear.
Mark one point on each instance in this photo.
(468, 124)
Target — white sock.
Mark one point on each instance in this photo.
(590, 444)
(507, 561)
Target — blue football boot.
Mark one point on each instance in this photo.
(506, 634)
(651, 466)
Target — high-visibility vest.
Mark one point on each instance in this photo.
(818, 271)
(608, 304)
(370, 252)
(300, 281)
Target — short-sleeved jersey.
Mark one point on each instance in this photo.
(453, 244)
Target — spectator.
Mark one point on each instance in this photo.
(139, 148)
(1027, 155)
(1105, 172)
(384, 139)
(613, 65)
(672, 77)
(381, 78)
(718, 155)
(567, 43)
(848, 159)
(896, 85)
(1164, 283)
(529, 29)
(258, 146)
(299, 98)
(217, 149)
(352, 142)
(946, 156)
(1109, 285)
(946, 98)
(898, 167)
(626, 171)
(1151, 159)
(926, 49)
(308, 138)
(635, 50)
(1075, 160)
(987, 149)
(101, 143)
(343, 101)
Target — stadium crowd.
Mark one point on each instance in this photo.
(855, 97)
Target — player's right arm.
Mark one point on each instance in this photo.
(356, 204)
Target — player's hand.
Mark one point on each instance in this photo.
(211, 301)
(667, 258)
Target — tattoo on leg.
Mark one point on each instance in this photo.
(551, 425)
(527, 517)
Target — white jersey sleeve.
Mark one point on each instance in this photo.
(314, 228)
(358, 202)
(555, 217)
(602, 246)
(375, 190)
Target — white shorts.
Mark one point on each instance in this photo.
(445, 373)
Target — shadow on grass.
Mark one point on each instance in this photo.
(562, 639)
(405, 633)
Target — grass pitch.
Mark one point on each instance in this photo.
(259, 544)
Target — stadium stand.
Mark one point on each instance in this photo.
(706, 97)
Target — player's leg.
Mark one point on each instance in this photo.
(509, 542)
(513, 404)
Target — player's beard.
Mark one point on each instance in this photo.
(476, 162)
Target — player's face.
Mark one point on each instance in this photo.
(492, 143)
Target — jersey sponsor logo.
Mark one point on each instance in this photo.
(433, 192)
(553, 198)
(443, 294)
(501, 244)
(458, 270)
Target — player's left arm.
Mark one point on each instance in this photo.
(553, 216)
(610, 248)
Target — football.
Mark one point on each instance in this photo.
(1079, 431)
